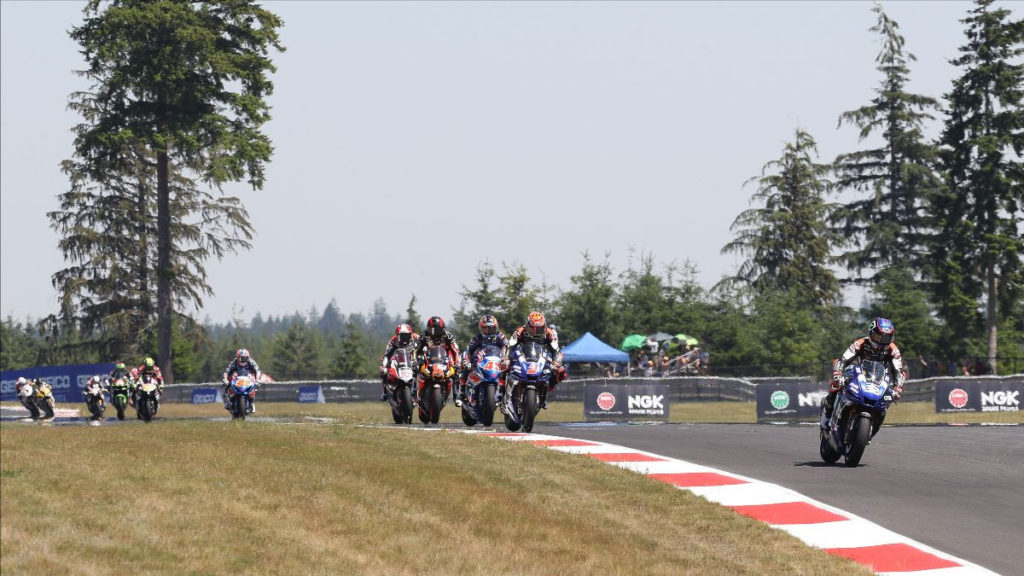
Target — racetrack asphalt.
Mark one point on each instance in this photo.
(957, 489)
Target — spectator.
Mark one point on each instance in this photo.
(665, 365)
(649, 369)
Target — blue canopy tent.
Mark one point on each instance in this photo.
(589, 349)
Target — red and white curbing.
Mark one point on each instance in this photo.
(817, 524)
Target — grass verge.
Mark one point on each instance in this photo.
(204, 497)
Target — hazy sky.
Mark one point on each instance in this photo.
(414, 141)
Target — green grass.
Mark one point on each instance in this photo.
(218, 497)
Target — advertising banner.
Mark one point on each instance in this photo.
(615, 401)
(314, 394)
(67, 382)
(979, 396)
(788, 399)
(207, 396)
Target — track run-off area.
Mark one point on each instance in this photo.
(927, 500)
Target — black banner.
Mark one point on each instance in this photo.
(979, 395)
(788, 399)
(618, 401)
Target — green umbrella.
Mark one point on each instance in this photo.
(632, 342)
(681, 339)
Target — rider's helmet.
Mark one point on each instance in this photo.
(149, 363)
(536, 326)
(488, 325)
(881, 332)
(119, 366)
(21, 382)
(435, 327)
(242, 355)
(404, 334)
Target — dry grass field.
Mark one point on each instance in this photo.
(327, 491)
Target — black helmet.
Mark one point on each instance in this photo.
(435, 327)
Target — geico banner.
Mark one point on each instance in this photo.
(615, 401)
(311, 394)
(67, 382)
(979, 395)
(207, 395)
(788, 400)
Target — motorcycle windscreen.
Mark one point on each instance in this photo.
(401, 358)
(437, 355)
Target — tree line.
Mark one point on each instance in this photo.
(930, 229)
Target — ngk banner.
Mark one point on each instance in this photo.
(618, 401)
(789, 399)
(979, 395)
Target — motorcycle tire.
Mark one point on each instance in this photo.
(436, 402)
(485, 405)
(424, 417)
(405, 405)
(33, 410)
(530, 408)
(147, 410)
(48, 408)
(238, 407)
(829, 455)
(511, 424)
(859, 435)
(119, 406)
(467, 416)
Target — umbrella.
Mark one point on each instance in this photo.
(632, 342)
(660, 336)
(684, 339)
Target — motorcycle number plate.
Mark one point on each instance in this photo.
(405, 373)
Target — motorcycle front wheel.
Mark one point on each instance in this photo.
(119, 406)
(485, 405)
(435, 405)
(859, 435)
(829, 455)
(530, 409)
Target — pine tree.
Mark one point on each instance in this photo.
(187, 81)
(898, 176)
(787, 239)
(979, 253)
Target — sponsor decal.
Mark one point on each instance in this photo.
(646, 404)
(606, 401)
(1000, 401)
(780, 399)
(812, 399)
(958, 397)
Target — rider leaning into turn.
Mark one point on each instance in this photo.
(435, 335)
(241, 364)
(536, 329)
(404, 338)
(489, 335)
(878, 346)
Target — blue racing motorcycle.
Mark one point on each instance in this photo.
(859, 411)
(526, 385)
(481, 385)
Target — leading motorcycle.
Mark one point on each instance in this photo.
(400, 379)
(860, 408)
(526, 385)
(147, 400)
(436, 373)
(481, 383)
(44, 399)
(241, 394)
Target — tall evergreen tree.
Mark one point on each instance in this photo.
(788, 240)
(898, 176)
(188, 82)
(980, 250)
(590, 305)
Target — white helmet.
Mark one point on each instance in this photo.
(22, 381)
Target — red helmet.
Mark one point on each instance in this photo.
(435, 327)
(536, 326)
(488, 325)
(242, 355)
(404, 333)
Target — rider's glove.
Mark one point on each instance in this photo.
(836, 383)
(382, 371)
(897, 392)
(504, 365)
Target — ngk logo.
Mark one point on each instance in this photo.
(646, 402)
(1000, 400)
